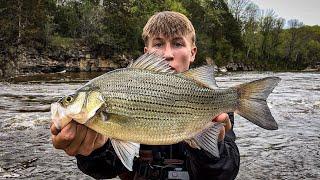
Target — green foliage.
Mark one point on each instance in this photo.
(62, 42)
(67, 20)
(218, 34)
(268, 45)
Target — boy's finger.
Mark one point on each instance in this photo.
(222, 117)
(54, 129)
(87, 145)
(75, 144)
(227, 124)
(63, 139)
(100, 141)
(222, 134)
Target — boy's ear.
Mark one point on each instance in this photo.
(193, 53)
(145, 49)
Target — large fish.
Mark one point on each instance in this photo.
(148, 103)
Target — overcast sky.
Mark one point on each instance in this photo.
(306, 11)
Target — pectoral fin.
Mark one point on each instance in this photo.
(126, 152)
(192, 143)
(207, 140)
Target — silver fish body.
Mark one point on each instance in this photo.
(147, 103)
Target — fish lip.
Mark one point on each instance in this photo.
(58, 115)
(54, 108)
(55, 116)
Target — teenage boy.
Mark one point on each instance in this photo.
(172, 35)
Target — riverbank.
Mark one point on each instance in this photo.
(29, 61)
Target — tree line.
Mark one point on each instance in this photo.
(272, 42)
(227, 31)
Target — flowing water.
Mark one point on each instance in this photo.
(292, 152)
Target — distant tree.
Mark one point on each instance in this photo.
(292, 42)
(276, 41)
(238, 9)
(92, 28)
(250, 30)
(312, 52)
(9, 29)
(266, 24)
(67, 19)
(218, 34)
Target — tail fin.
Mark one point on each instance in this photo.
(253, 105)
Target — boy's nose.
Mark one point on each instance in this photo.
(168, 54)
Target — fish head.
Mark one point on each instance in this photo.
(80, 106)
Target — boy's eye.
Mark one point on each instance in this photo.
(157, 45)
(177, 44)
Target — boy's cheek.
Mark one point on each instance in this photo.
(156, 50)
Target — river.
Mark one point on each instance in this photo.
(291, 152)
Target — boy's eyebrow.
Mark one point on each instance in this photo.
(177, 38)
(160, 38)
(157, 39)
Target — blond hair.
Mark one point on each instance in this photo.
(168, 24)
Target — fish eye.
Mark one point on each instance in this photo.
(68, 100)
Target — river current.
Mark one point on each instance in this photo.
(291, 152)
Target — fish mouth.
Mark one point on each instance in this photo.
(59, 116)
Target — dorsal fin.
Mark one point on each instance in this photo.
(152, 62)
(203, 75)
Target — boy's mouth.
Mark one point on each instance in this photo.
(172, 68)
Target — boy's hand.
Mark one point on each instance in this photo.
(76, 138)
(223, 118)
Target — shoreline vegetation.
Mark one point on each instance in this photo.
(51, 36)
